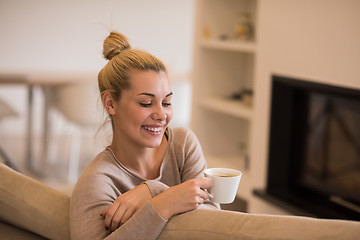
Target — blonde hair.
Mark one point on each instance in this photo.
(123, 60)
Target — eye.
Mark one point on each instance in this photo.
(167, 104)
(145, 104)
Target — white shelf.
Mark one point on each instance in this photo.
(222, 66)
(229, 45)
(230, 107)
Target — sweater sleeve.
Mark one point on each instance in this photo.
(156, 187)
(144, 224)
(91, 196)
(195, 164)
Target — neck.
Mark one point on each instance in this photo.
(144, 161)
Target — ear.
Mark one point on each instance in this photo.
(108, 103)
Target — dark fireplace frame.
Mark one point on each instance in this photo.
(284, 155)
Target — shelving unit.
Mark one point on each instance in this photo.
(224, 65)
(229, 45)
(227, 106)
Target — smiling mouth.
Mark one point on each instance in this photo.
(153, 129)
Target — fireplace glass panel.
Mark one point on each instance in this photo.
(332, 152)
(314, 148)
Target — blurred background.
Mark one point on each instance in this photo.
(51, 53)
(57, 47)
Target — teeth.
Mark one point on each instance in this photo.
(153, 129)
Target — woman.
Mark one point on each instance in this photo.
(150, 172)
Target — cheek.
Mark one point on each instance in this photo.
(132, 115)
(169, 114)
(140, 115)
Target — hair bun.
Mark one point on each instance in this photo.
(114, 44)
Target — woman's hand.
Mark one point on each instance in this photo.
(182, 198)
(125, 206)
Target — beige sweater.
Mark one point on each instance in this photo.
(104, 179)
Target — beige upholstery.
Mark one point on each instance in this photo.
(212, 224)
(44, 213)
(33, 206)
(10, 232)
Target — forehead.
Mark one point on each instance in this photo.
(150, 82)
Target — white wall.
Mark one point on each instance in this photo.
(38, 35)
(317, 40)
(66, 36)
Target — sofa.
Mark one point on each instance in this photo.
(32, 210)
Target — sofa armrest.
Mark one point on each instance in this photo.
(215, 224)
(10, 232)
(31, 205)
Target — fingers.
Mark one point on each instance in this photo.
(203, 194)
(125, 206)
(109, 214)
(181, 198)
(116, 221)
(199, 186)
(205, 183)
(114, 217)
(200, 200)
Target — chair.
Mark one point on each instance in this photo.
(6, 111)
(77, 102)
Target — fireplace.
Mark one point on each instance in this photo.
(314, 149)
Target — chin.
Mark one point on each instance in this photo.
(153, 141)
(154, 144)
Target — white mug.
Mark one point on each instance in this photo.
(225, 184)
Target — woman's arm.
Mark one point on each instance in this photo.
(125, 206)
(195, 164)
(182, 198)
(92, 195)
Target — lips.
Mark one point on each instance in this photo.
(156, 130)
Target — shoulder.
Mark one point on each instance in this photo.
(188, 153)
(98, 173)
(102, 163)
(184, 140)
(182, 135)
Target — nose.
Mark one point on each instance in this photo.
(159, 114)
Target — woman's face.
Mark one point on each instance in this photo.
(144, 110)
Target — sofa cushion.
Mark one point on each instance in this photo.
(33, 206)
(214, 224)
(10, 232)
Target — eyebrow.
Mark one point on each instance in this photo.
(153, 95)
